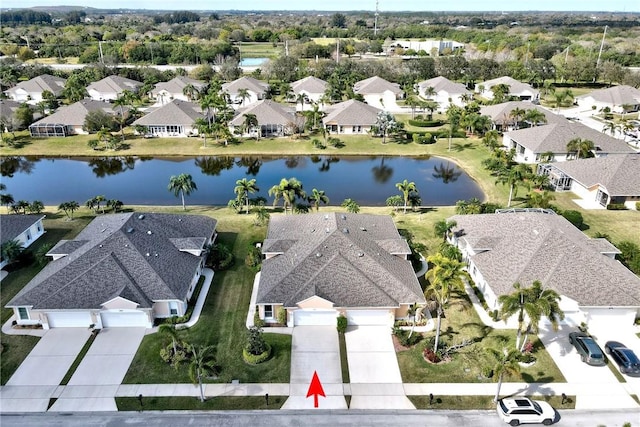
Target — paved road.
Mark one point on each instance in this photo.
(316, 418)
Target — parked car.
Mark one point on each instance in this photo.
(522, 410)
(590, 352)
(626, 359)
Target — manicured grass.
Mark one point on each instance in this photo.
(462, 323)
(481, 402)
(14, 350)
(79, 357)
(183, 403)
(344, 363)
(260, 50)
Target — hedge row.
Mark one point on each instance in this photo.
(425, 123)
(255, 359)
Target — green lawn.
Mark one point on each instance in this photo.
(261, 50)
(182, 403)
(480, 402)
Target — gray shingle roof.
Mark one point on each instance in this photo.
(248, 83)
(375, 85)
(74, 114)
(11, 226)
(501, 113)
(8, 107)
(515, 87)
(131, 255)
(177, 85)
(114, 84)
(527, 246)
(617, 95)
(555, 136)
(351, 112)
(619, 174)
(444, 84)
(309, 84)
(343, 258)
(41, 83)
(267, 112)
(176, 112)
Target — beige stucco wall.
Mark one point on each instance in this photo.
(315, 302)
(161, 308)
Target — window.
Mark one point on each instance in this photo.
(39, 227)
(28, 235)
(268, 312)
(173, 308)
(23, 313)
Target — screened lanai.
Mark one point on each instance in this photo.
(558, 180)
(44, 130)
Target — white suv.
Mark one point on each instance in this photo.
(522, 410)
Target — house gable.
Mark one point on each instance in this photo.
(119, 303)
(315, 302)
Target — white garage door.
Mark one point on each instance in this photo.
(69, 319)
(369, 317)
(315, 317)
(124, 319)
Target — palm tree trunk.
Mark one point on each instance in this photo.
(173, 341)
(184, 208)
(524, 341)
(201, 388)
(435, 346)
(247, 203)
(510, 195)
(495, 399)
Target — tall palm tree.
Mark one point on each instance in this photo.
(534, 116)
(580, 146)
(182, 185)
(301, 99)
(513, 177)
(288, 190)
(251, 122)
(243, 188)
(547, 302)
(611, 127)
(121, 102)
(412, 101)
(443, 228)
(10, 250)
(243, 95)
(454, 114)
(69, 208)
(202, 365)
(490, 139)
(430, 106)
(317, 197)
(444, 276)
(7, 200)
(191, 92)
(517, 114)
(406, 187)
(429, 92)
(202, 126)
(504, 362)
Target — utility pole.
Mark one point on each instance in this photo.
(375, 20)
(601, 46)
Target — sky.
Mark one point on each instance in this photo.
(342, 5)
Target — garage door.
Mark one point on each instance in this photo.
(368, 317)
(69, 319)
(315, 317)
(124, 319)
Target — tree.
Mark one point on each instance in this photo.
(182, 185)
(534, 117)
(7, 200)
(540, 199)
(243, 188)
(251, 122)
(517, 114)
(114, 204)
(169, 330)
(69, 208)
(351, 205)
(500, 92)
(454, 114)
(430, 106)
(289, 190)
(10, 250)
(202, 365)
(444, 275)
(36, 207)
(443, 228)
(504, 362)
(191, 92)
(243, 95)
(611, 127)
(262, 216)
(406, 187)
(513, 177)
(386, 125)
(121, 101)
(20, 205)
(316, 197)
(202, 126)
(580, 146)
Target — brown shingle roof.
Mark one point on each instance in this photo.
(309, 84)
(75, 114)
(248, 83)
(375, 85)
(114, 84)
(617, 95)
(177, 112)
(443, 84)
(41, 83)
(351, 112)
(267, 112)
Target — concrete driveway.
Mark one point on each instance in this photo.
(315, 348)
(375, 377)
(96, 380)
(41, 372)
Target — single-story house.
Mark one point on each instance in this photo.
(604, 180)
(521, 246)
(350, 117)
(8, 109)
(26, 229)
(502, 120)
(109, 88)
(273, 119)
(535, 144)
(429, 46)
(30, 91)
(446, 92)
(312, 87)
(523, 91)
(620, 99)
(123, 269)
(69, 120)
(379, 93)
(177, 118)
(165, 92)
(319, 266)
(256, 91)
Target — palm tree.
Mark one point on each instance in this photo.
(444, 276)
(301, 98)
(10, 250)
(114, 204)
(500, 91)
(429, 92)
(504, 362)
(534, 116)
(611, 127)
(454, 114)
(540, 199)
(169, 330)
(406, 187)
(243, 95)
(182, 185)
(202, 365)
(443, 228)
(491, 139)
(191, 92)
(317, 197)
(250, 122)
(7, 200)
(513, 176)
(412, 101)
(121, 102)
(350, 205)
(517, 114)
(580, 146)
(288, 190)
(203, 128)
(243, 188)
(430, 106)
(547, 302)
(69, 207)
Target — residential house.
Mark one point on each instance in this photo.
(503, 120)
(521, 246)
(430, 47)
(379, 93)
(123, 269)
(30, 91)
(69, 120)
(445, 91)
(619, 99)
(518, 89)
(319, 266)
(598, 181)
(549, 142)
(8, 118)
(175, 119)
(350, 117)
(109, 88)
(25, 229)
(165, 92)
(256, 90)
(273, 119)
(311, 87)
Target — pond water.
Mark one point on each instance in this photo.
(252, 62)
(143, 181)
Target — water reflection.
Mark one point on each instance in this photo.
(214, 165)
(447, 173)
(104, 166)
(252, 164)
(12, 165)
(382, 173)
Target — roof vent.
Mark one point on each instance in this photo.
(149, 232)
(99, 246)
(130, 230)
(326, 230)
(179, 219)
(140, 216)
(318, 255)
(343, 216)
(345, 230)
(156, 254)
(326, 217)
(148, 254)
(360, 254)
(363, 229)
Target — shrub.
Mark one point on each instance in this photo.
(425, 123)
(254, 359)
(318, 144)
(255, 344)
(406, 338)
(281, 316)
(616, 207)
(457, 134)
(638, 206)
(341, 324)
(425, 138)
(526, 358)
(486, 372)
(253, 260)
(574, 217)
(430, 356)
(528, 347)
(220, 257)
(257, 321)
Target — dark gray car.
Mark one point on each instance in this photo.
(589, 350)
(626, 359)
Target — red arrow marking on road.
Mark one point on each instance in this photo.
(315, 389)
